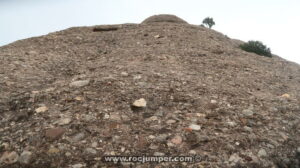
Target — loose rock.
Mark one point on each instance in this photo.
(41, 109)
(64, 121)
(79, 83)
(262, 153)
(78, 137)
(55, 133)
(177, 140)
(140, 103)
(247, 112)
(25, 157)
(9, 157)
(195, 127)
(90, 151)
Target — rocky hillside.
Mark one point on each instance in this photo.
(159, 88)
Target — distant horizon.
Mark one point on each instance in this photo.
(271, 22)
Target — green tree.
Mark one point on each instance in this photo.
(208, 22)
(256, 47)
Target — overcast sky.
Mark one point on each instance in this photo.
(274, 22)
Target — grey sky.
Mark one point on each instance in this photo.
(274, 22)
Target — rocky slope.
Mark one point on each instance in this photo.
(70, 97)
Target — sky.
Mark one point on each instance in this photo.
(274, 22)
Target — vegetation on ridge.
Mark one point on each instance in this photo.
(256, 47)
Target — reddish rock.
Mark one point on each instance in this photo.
(55, 133)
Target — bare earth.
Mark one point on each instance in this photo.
(66, 99)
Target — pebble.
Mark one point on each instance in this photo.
(234, 158)
(153, 118)
(177, 140)
(151, 136)
(158, 154)
(53, 150)
(298, 150)
(262, 153)
(25, 157)
(213, 101)
(153, 147)
(246, 128)
(157, 36)
(94, 144)
(79, 83)
(286, 95)
(161, 138)
(115, 117)
(5, 145)
(41, 109)
(78, 137)
(55, 133)
(195, 127)
(171, 121)
(140, 103)
(231, 123)
(247, 112)
(9, 157)
(78, 165)
(68, 154)
(64, 121)
(90, 151)
(192, 152)
(124, 73)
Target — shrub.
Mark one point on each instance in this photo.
(209, 22)
(256, 47)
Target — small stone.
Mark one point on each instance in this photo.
(161, 138)
(177, 140)
(68, 154)
(246, 128)
(192, 152)
(151, 136)
(157, 36)
(53, 150)
(55, 133)
(247, 112)
(78, 98)
(41, 109)
(170, 144)
(25, 157)
(115, 117)
(106, 116)
(79, 83)
(124, 73)
(4, 145)
(9, 157)
(262, 153)
(78, 137)
(234, 158)
(195, 127)
(153, 147)
(90, 151)
(64, 121)
(171, 121)
(94, 144)
(153, 118)
(78, 165)
(158, 154)
(285, 95)
(231, 123)
(137, 77)
(213, 101)
(140, 103)
(298, 150)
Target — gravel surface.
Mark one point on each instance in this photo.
(154, 89)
